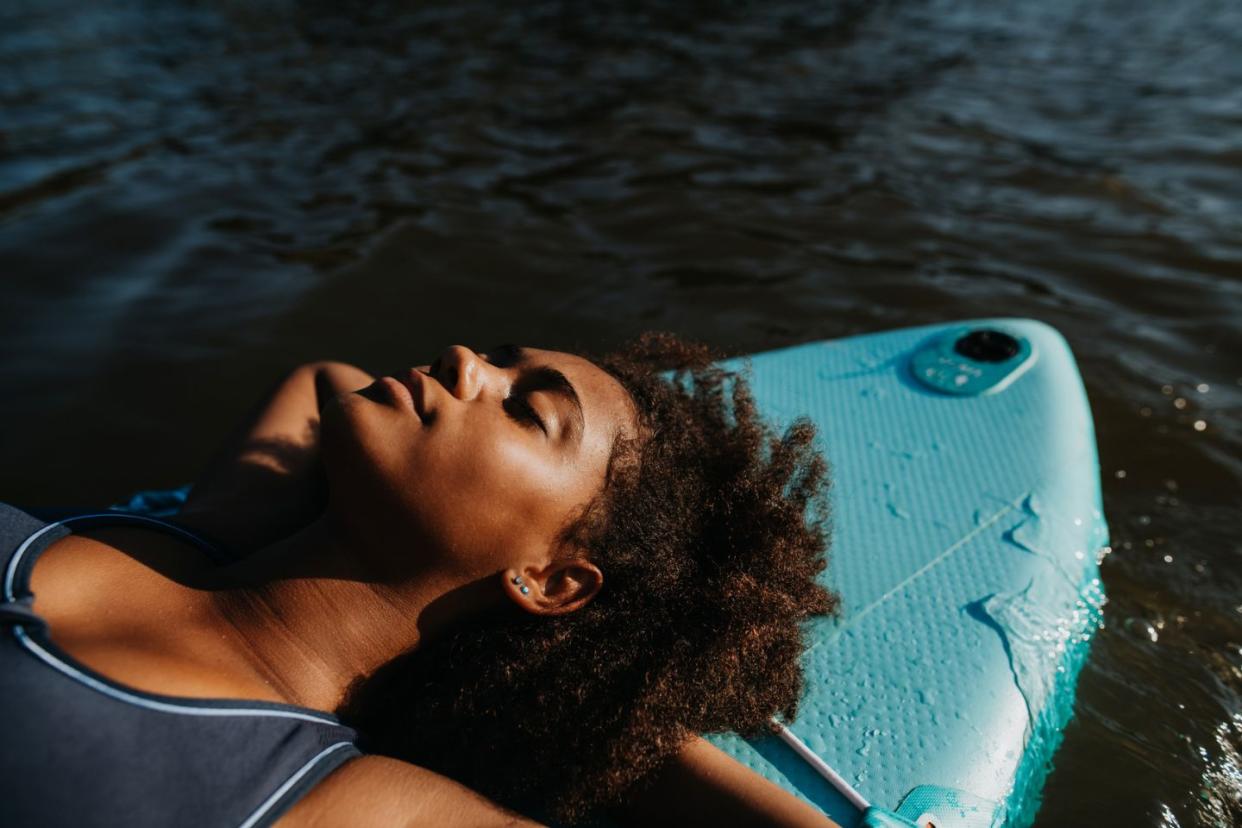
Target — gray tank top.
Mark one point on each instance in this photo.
(78, 749)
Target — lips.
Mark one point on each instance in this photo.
(413, 383)
(390, 390)
(407, 391)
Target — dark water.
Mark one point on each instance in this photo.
(193, 197)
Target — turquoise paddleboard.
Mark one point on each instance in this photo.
(967, 530)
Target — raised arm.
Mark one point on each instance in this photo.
(702, 785)
(267, 480)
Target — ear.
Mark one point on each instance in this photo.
(556, 588)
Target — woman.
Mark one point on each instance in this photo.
(531, 573)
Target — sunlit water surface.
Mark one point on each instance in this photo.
(194, 197)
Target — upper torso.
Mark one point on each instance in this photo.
(103, 725)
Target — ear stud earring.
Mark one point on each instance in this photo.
(522, 588)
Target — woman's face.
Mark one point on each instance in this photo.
(477, 462)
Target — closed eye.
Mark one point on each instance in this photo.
(539, 378)
(519, 408)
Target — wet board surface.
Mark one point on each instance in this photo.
(966, 529)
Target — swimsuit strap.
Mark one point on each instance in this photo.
(100, 519)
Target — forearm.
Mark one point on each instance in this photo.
(267, 480)
(704, 786)
(377, 792)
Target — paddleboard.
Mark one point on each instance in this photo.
(967, 530)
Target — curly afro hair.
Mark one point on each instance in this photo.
(711, 531)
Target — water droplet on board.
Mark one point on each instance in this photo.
(1120, 474)
(1203, 388)
(1200, 425)
(1179, 403)
(893, 509)
(1167, 390)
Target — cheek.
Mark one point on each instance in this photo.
(472, 500)
(491, 501)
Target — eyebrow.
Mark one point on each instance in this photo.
(541, 378)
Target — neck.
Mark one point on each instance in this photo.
(310, 617)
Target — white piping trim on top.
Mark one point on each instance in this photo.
(823, 768)
(15, 561)
(151, 704)
(115, 692)
(289, 783)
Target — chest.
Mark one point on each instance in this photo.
(138, 617)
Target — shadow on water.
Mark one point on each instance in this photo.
(195, 197)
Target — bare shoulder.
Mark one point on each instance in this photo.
(378, 791)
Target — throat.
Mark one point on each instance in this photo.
(287, 638)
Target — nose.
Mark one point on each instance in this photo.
(460, 370)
